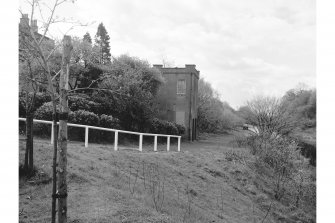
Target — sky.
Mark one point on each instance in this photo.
(243, 48)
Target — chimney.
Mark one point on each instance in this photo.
(34, 26)
(24, 21)
(191, 66)
(159, 66)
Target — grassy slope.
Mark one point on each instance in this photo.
(203, 183)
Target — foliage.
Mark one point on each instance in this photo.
(102, 41)
(87, 37)
(279, 157)
(108, 121)
(181, 129)
(40, 99)
(45, 111)
(82, 102)
(84, 117)
(129, 89)
(164, 127)
(302, 102)
(213, 114)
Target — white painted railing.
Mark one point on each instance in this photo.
(116, 134)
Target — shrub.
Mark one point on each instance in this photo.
(40, 99)
(163, 127)
(108, 121)
(84, 117)
(181, 129)
(279, 157)
(45, 111)
(81, 103)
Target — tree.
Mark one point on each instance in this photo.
(130, 85)
(102, 41)
(62, 139)
(270, 116)
(87, 38)
(44, 58)
(213, 114)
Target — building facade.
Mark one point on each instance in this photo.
(178, 97)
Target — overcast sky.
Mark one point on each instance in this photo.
(243, 48)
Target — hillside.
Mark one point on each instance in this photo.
(209, 181)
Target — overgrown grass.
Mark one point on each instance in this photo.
(209, 181)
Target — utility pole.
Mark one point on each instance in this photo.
(62, 138)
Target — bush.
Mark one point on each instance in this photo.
(40, 99)
(164, 127)
(107, 121)
(45, 111)
(84, 117)
(279, 157)
(181, 129)
(80, 103)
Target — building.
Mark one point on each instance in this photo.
(178, 97)
(27, 48)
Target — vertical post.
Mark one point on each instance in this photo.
(62, 137)
(116, 135)
(155, 144)
(141, 141)
(52, 133)
(86, 136)
(179, 143)
(168, 144)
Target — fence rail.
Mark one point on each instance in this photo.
(116, 133)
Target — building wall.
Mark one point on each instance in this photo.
(181, 109)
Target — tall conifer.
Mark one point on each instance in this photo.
(102, 41)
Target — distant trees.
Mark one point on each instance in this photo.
(102, 41)
(302, 102)
(213, 114)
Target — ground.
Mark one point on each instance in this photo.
(208, 181)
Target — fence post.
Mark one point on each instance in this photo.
(141, 141)
(52, 133)
(115, 140)
(155, 144)
(168, 144)
(86, 136)
(179, 143)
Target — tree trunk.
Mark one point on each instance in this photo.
(62, 139)
(30, 142)
(54, 163)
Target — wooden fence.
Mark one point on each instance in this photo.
(116, 134)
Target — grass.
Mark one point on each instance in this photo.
(209, 181)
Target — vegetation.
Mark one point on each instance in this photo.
(210, 180)
(102, 42)
(214, 116)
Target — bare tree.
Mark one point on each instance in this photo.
(43, 58)
(270, 116)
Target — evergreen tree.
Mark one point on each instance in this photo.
(87, 37)
(102, 41)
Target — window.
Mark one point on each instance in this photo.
(181, 87)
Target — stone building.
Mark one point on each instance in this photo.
(178, 97)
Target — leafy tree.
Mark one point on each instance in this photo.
(130, 86)
(102, 41)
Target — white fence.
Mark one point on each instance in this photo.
(116, 134)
